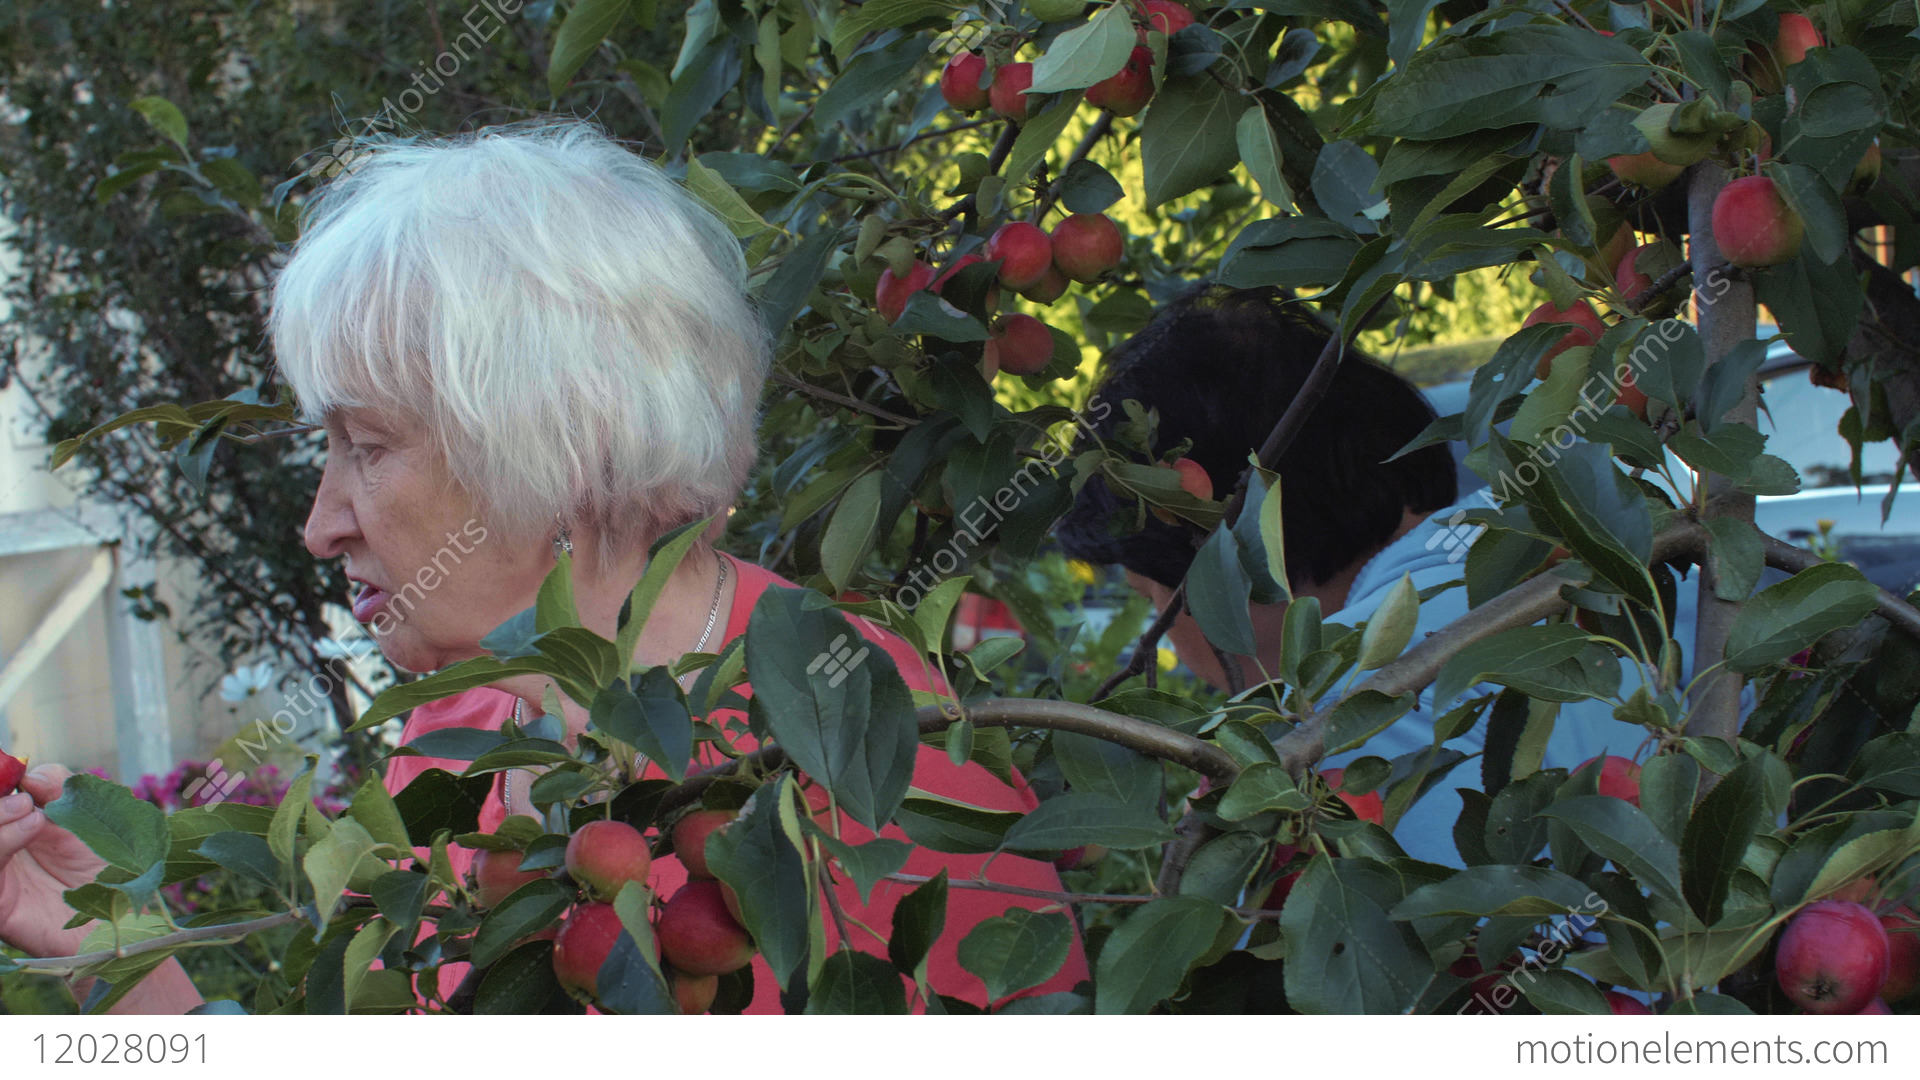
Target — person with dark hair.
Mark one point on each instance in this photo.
(1219, 367)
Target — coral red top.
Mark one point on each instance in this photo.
(487, 708)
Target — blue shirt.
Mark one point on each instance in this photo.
(1434, 553)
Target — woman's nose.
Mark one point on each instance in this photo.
(330, 523)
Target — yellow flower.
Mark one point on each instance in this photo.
(1168, 661)
(1825, 524)
(1082, 572)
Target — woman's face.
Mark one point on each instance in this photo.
(428, 578)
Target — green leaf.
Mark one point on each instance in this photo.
(1086, 188)
(164, 117)
(285, 829)
(244, 854)
(587, 24)
(1562, 993)
(1260, 152)
(1074, 820)
(127, 833)
(649, 715)
(1817, 304)
(759, 857)
(1345, 954)
(531, 908)
(1262, 786)
(1086, 54)
(1187, 139)
(1618, 831)
(1818, 206)
(1739, 555)
(1524, 658)
(918, 921)
(1362, 715)
(952, 827)
(837, 705)
(1098, 767)
(1557, 75)
(853, 983)
(663, 558)
(865, 863)
(1390, 627)
(1716, 838)
(332, 862)
(1289, 252)
(1037, 137)
(1145, 960)
(520, 983)
(373, 807)
(1787, 617)
(1497, 890)
(870, 76)
(1018, 950)
(851, 531)
(437, 801)
(1220, 869)
(1218, 589)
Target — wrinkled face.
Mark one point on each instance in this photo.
(428, 578)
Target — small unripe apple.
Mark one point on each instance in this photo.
(690, 838)
(12, 771)
(891, 294)
(1024, 253)
(1867, 172)
(1126, 92)
(1583, 328)
(960, 82)
(1019, 345)
(604, 855)
(1621, 1005)
(1768, 71)
(1052, 286)
(586, 938)
(495, 874)
(1086, 246)
(1753, 224)
(698, 936)
(1832, 957)
(1903, 954)
(1619, 777)
(1008, 96)
(694, 994)
(1644, 170)
(1672, 147)
(1368, 807)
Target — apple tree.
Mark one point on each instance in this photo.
(948, 206)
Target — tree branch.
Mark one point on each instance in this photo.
(922, 137)
(838, 398)
(1784, 556)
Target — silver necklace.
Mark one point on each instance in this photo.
(713, 617)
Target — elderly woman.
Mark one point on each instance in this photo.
(521, 342)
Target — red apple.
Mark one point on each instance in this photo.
(1622, 1005)
(1619, 777)
(695, 993)
(1903, 954)
(1628, 278)
(1790, 44)
(1584, 328)
(495, 874)
(1086, 246)
(1019, 345)
(1832, 958)
(1368, 807)
(1053, 285)
(1753, 225)
(960, 82)
(890, 296)
(1634, 398)
(697, 933)
(1128, 91)
(1283, 854)
(1167, 17)
(12, 771)
(1080, 858)
(1024, 253)
(1008, 96)
(1644, 170)
(690, 838)
(1876, 1007)
(588, 935)
(604, 855)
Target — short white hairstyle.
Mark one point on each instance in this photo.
(568, 323)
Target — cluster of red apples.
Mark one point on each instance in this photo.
(698, 928)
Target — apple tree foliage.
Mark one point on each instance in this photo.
(1364, 155)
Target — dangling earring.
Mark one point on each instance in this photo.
(563, 543)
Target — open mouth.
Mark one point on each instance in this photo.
(367, 601)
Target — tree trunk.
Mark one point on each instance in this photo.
(1723, 323)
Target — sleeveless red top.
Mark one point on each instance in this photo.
(487, 708)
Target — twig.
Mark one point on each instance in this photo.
(995, 158)
(1661, 284)
(838, 398)
(923, 136)
(1059, 896)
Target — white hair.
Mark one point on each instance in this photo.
(568, 323)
